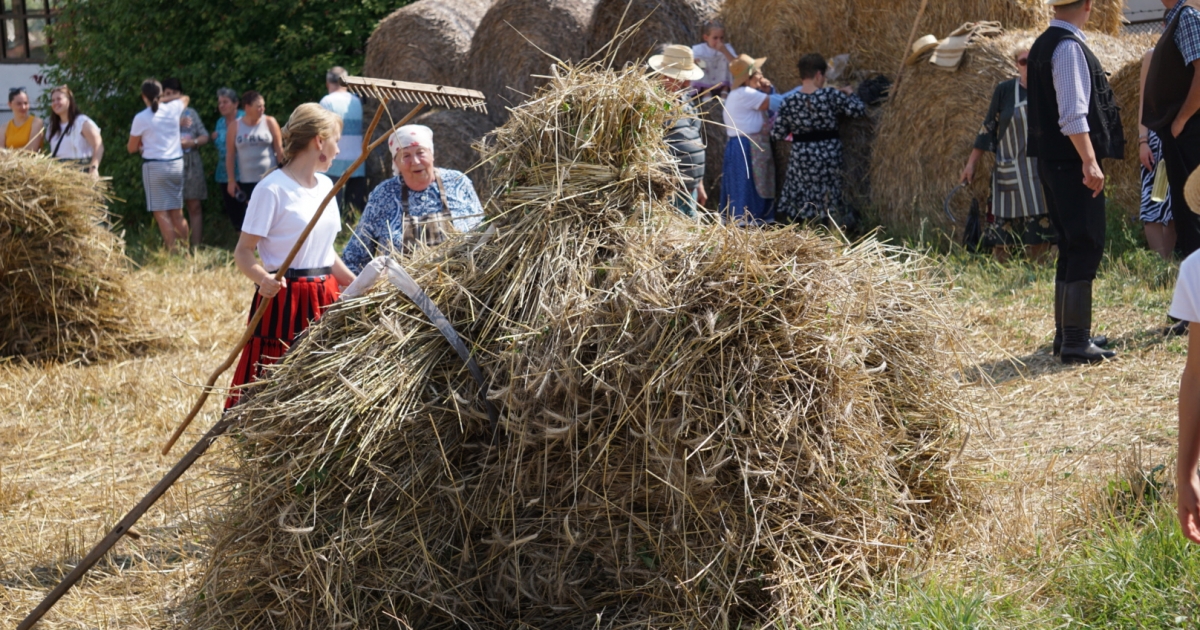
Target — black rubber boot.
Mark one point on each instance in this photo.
(1077, 326)
(1059, 289)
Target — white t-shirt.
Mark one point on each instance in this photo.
(741, 113)
(73, 145)
(279, 210)
(160, 131)
(1186, 305)
(716, 66)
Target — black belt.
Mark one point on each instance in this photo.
(144, 160)
(296, 274)
(816, 136)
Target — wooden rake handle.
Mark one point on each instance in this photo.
(262, 305)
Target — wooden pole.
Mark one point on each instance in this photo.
(912, 36)
(262, 306)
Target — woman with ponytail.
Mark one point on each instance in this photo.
(155, 133)
(280, 208)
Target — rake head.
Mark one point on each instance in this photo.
(424, 93)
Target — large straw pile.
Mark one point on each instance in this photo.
(699, 424)
(927, 132)
(63, 274)
(424, 42)
(512, 48)
(874, 32)
(666, 22)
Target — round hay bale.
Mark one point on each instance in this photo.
(874, 32)
(927, 133)
(700, 426)
(1124, 186)
(63, 274)
(424, 42)
(517, 42)
(666, 22)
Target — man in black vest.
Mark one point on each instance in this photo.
(1171, 103)
(678, 68)
(1074, 122)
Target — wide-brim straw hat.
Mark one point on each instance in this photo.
(741, 68)
(1191, 191)
(678, 62)
(920, 47)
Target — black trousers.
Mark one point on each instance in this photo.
(1183, 156)
(1079, 219)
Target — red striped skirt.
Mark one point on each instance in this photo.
(288, 314)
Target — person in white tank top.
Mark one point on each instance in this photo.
(253, 145)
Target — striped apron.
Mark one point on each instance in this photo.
(1016, 187)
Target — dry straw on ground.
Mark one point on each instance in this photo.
(63, 274)
(513, 45)
(699, 424)
(927, 133)
(666, 22)
(874, 32)
(424, 42)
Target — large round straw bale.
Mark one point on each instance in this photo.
(517, 42)
(699, 426)
(927, 132)
(424, 42)
(63, 274)
(666, 22)
(874, 32)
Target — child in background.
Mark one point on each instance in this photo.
(714, 55)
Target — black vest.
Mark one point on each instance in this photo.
(687, 146)
(1167, 82)
(1046, 140)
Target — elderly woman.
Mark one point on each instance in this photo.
(809, 118)
(1017, 201)
(748, 174)
(417, 208)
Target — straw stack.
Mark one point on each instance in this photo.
(926, 134)
(518, 41)
(874, 32)
(424, 42)
(700, 425)
(666, 22)
(63, 275)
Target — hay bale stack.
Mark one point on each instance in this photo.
(701, 426)
(424, 42)
(666, 22)
(63, 274)
(874, 32)
(1124, 186)
(927, 133)
(514, 43)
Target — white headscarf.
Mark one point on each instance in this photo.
(410, 136)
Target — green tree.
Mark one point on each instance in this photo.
(104, 49)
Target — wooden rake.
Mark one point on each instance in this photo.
(384, 91)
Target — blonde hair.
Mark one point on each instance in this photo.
(308, 121)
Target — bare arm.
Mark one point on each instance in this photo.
(231, 155)
(1144, 154)
(1093, 177)
(91, 135)
(175, 97)
(1188, 498)
(135, 144)
(35, 135)
(342, 272)
(247, 261)
(276, 138)
(1191, 104)
(968, 173)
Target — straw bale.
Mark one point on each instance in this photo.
(927, 133)
(1124, 187)
(63, 273)
(874, 32)
(424, 42)
(516, 44)
(666, 22)
(700, 426)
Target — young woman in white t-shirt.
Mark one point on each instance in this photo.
(72, 136)
(280, 207)
(155, 134)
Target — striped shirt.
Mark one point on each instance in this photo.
(1072, 81)
(1187, 33)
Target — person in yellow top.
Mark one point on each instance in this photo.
(24, 131)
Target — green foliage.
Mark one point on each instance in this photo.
(104, 49)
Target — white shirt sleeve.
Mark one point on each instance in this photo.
(1187, 289)
(260, 210)
(140, 124)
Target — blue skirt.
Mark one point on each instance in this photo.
(739, 199)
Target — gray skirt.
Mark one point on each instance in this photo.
(194, 186)
(164, 185)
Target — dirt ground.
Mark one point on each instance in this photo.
(79, 445)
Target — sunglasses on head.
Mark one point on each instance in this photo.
(15, 91)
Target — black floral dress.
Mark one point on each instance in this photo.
(813, 185)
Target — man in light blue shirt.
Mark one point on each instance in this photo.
(346, 105)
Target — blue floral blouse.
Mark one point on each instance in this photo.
(382, 225)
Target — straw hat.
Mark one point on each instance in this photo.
(920, 47)
(1191, 191)
(1054, 3)
(678, 62)
(742, 67)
